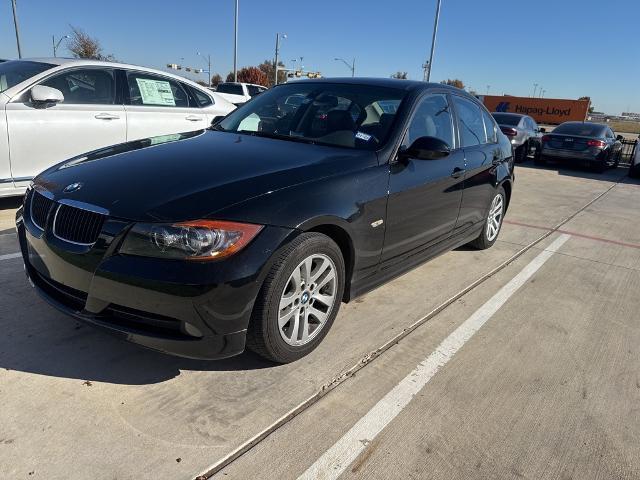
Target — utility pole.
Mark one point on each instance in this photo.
(428, 65)
(275, 64)
(535, 87)
(15, 24)
(235, 47)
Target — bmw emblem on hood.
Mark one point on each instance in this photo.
(74, 187)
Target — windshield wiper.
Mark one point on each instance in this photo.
(278, 136)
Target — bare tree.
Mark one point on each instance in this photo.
(454, 83)
(216, 79)
(82, 45)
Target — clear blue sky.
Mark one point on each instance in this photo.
(570, 47)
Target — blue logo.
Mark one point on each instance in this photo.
(74, 187)
(503, 107)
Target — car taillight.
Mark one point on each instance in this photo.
(512, 132)
(596, 143)
(546, 138)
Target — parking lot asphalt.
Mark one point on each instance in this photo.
(531, 374)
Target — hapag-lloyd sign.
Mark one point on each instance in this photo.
(543, 110)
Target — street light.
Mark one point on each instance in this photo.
(208, 60)
(535, 87)
(15, 24)
(427, 66)
(488, 88)
(351, 67)
(543, 92)
(235, 46)
(275, 65)
(57, 45)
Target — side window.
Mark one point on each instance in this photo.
(153, 90)
(610, 133)
(432, 118)
(85, 87)
(534, 125)
(202, 99)
(489, 127)
(254, 90)
(470, 122)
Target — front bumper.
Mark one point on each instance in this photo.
(191, 309)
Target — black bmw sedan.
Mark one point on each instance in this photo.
(587, 143)
(252, 233)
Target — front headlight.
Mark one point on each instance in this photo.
(197, 240)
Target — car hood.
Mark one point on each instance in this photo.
(193, 175)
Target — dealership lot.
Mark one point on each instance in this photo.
(547, 387)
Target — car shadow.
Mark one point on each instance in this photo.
(39, 340)
(10, 203)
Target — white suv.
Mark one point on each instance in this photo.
(53, 109)
(239, 93)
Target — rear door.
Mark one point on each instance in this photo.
(482, 153)
(158, 105)
(424, 195)
(90, 117)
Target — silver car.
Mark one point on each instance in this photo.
(522, 131)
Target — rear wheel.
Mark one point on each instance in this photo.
(493, 223)
(299, 300)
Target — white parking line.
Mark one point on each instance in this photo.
(338, 458)
(9, 256)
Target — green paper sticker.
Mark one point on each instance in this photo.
(155, 92)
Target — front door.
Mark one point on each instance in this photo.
(424, 195)
(87, 119)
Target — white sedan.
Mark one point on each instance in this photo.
(53, 109)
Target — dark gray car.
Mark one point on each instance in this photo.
(522, 131)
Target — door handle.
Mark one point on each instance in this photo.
(193, 118)
(458, 172)
(107, 116)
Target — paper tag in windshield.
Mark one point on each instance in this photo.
(363, 136)
(155, 92)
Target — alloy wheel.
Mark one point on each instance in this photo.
(307, 300)
(494, 220)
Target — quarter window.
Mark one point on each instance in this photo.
(85, 87)
(489, 127)
(470, 122)
(153, 90)
(431, 119)
(202, 99)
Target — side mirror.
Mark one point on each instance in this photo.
(216, 120)
(427, 148)
(620, 137)
(42, 94)
(542, 130)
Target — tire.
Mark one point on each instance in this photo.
(488, 236)
(289, 281)
(634, 171)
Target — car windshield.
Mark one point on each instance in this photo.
(15, 71)
(344, 115)
(504, 119)
(580, 129)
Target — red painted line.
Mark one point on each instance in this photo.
(575, 234)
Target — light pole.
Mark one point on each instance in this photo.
(427, 66)
(235, 46)
(15, 24)
(55, 44)
(542, 94)
(535, 87)
(275, 64)
(207, 59)
(351, 67)
(488, 88)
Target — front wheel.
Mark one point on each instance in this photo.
(299, 299)
(493, 223)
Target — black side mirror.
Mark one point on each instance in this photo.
(216, 120)
(426, 148)
(542, 130)
(620, 137)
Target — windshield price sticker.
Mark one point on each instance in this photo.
(155, 92)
